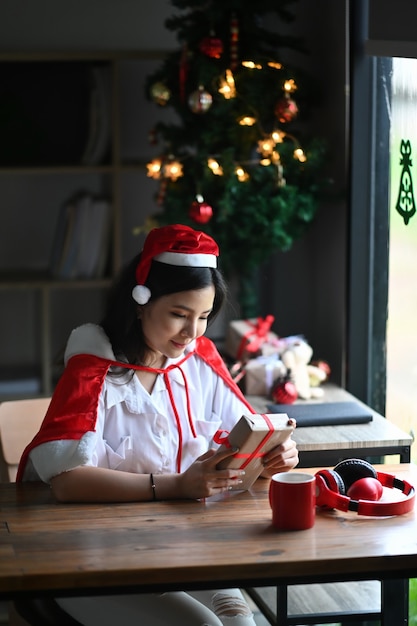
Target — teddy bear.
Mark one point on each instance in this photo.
(306, 377)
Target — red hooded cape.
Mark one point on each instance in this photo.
(73, 408)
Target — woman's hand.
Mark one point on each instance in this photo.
(280, 459)
(202, 479)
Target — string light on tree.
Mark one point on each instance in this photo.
(215, 167)
(247, 120)
(251, 65)
(241, 174)
(154, 169)
(173, 169)
(275, 65)
(227, 85)
(266, 146)
(278, 136)
(299, 155)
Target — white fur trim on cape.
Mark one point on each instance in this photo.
(53, 457)
(88, 339)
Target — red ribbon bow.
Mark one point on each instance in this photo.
(259, 330)
(222, 437)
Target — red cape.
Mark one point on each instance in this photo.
(73, 408)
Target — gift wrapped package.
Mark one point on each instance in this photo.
(246, 339)
(254, 435)
(261, 373)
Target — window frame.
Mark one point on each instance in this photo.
(369, 218)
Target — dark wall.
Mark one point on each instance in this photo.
(305, 288)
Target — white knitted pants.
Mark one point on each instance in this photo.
(225, 607)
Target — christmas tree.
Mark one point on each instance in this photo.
(239, 163)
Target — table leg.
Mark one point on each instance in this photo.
(405, 454)
(395, 602)
(282, 605)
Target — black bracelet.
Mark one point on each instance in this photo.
(153, 486)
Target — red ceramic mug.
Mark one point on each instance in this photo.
(292, 496)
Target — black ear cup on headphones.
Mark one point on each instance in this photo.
(334, 481)
(351, 470)
(328, 480)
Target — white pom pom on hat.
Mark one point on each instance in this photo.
(175, 244)
(141, 294)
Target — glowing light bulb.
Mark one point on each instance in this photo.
(252, 65)
(241, 174)
(266, 146)
(275, 65)
(299, 154)
(278, 136)
(173, 170)
(290, 85)
(215, 167)
(154, 169)
(246, 120)
(227, 86)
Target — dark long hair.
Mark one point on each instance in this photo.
(120, 320)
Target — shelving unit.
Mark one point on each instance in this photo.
(39, 311)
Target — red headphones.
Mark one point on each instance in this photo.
(354, 485)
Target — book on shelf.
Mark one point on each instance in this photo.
(82, 241)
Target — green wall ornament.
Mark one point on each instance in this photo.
(406, 205)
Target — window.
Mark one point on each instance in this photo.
(401, 376)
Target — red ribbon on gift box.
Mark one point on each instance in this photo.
(259, 332)
(222, 437)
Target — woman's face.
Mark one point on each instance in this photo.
(171, 322)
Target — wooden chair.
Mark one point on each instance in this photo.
(19, 422)
(327, 603)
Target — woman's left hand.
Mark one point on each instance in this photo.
(280, 459)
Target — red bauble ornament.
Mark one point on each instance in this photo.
(286, 109)
(284, 392)
(201, 212)
(212, 47)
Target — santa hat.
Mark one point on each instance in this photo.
(174, 245)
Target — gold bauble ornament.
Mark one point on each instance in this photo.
(200, 101)
(160, 94)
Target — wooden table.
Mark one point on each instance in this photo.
(327, 445)
(71, 549)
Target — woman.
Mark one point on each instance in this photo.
(134, 414)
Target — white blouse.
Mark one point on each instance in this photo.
(137, 431)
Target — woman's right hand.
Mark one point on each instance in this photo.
(202, 479)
